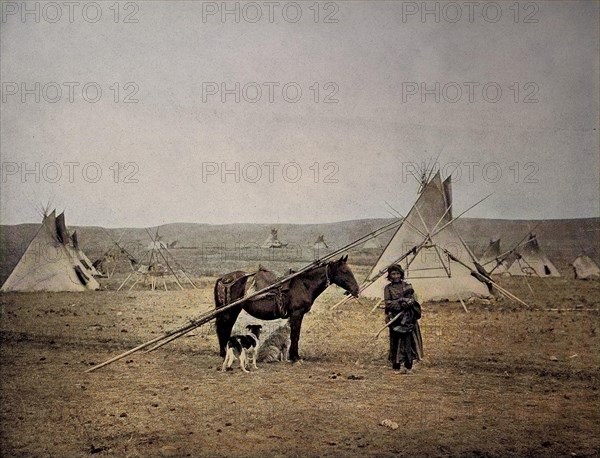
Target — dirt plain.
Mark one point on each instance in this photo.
(501, 380)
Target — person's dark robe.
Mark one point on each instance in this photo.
(395, 295)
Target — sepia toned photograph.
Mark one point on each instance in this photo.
(352, 228)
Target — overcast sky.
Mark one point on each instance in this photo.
(517, 108)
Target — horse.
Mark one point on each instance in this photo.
(290, 300)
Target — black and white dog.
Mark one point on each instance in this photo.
(243, 347)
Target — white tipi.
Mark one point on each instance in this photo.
(50, 263)
(273, 241)
(532, 261)
(585, 268)
(431, 269)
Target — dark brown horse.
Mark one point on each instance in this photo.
(291, 300)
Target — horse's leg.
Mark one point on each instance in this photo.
(295, 325)
(224, 323)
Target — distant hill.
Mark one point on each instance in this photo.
(562, 240)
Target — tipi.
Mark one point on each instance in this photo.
(431, 269)
(532, 261)
(273, 241)
(490, 259)
(50, 263)
(585, 268)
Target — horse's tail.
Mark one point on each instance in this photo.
(218, 287)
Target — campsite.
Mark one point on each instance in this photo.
(363, 228)
(507, 377)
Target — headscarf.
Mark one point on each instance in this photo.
(395, 268)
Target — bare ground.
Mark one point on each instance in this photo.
(500, 380)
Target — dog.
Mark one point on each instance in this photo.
(242, 347)
(276, 347)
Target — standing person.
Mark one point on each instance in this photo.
(402, 307)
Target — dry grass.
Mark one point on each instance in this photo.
(500, 380)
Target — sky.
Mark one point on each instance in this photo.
(142, 113)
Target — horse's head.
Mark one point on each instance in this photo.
(341, 275)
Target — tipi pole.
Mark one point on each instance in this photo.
(381, 272)
(525, 276)
(138, 279)
(471, 255)
(166, 341)
(201, 319)
(376, 305)
(503, 256)
(415, 250)
(367, 283)
(456, 217)
(534, 271)
(188, 278)
(501, 289)
(124, 281)
(127, 353)
(123, 250)
(428, 236)
(414, 227)
(405, 221)
(163, 256)
(340, 302)
(177, 264)
(459, 297)
(442, 261)
(530, 288)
